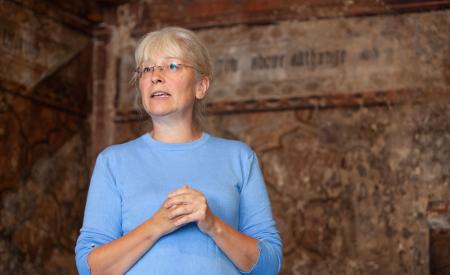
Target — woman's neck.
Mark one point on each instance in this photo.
(175, 133)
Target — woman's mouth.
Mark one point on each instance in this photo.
(159, 94)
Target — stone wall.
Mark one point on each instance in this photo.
(354, 151)
(350, 187)
(45, 84)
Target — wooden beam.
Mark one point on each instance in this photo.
(202, 14)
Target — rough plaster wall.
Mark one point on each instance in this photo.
(45, 167)
(40, 217)
(42, 186)
(44, 141)
(350, 187)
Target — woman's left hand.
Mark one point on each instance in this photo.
(189, 205)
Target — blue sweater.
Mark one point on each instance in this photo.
(131, 180)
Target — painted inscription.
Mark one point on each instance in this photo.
(268, 62)
(305, 58)
(226, 65)
(292, 61)
(312, 59)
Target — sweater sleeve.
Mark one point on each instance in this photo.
(102, 216)
(256, 221)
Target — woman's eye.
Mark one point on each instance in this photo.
(146, 70)
(173, 66)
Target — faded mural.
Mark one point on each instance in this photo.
(350, 119)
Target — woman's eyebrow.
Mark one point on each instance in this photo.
(150, 61)
(172, 57)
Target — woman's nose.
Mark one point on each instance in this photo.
(157, 76)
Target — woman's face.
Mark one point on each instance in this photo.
(169, 87)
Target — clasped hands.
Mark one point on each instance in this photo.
(183, 206)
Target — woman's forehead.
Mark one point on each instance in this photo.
(158, 50)
(161, 58)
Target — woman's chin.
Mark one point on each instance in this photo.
(159, 112)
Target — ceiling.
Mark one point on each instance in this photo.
(82, 15)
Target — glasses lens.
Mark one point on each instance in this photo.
(173, 66)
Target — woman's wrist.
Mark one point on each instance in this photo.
(153, 230)
(215, 228)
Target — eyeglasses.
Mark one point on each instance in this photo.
(170, 69)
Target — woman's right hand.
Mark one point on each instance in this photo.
(117, 256)
(161, 223)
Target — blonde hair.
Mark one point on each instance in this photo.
(178, 43)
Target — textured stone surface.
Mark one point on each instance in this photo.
(29, 132)
(33, 47)
(439, 222)
(42, 213)
(45, 88)
(42, 186)
(440, 252)
(311, 61)
(336, 56)
(350, 187)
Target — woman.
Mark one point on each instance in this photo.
(177, 200)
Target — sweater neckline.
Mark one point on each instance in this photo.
(175, 146)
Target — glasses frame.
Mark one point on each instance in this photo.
(162, 69)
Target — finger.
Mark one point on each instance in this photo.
(180, 211)
(179, 191)
(180, 199)
(185, 219)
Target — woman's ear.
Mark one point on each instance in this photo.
(202, 87)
